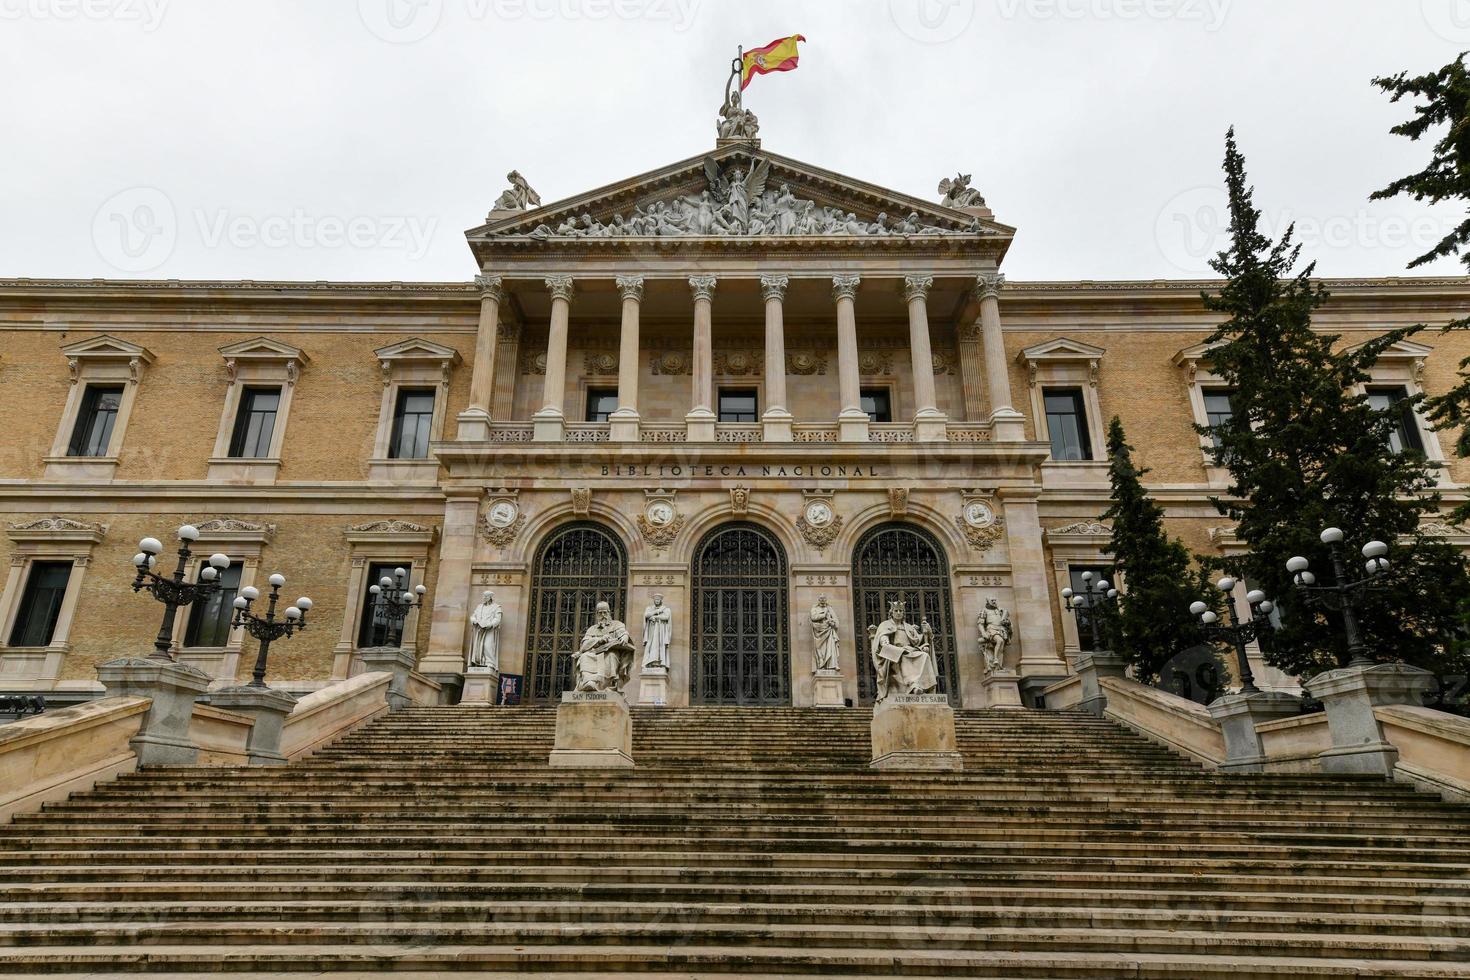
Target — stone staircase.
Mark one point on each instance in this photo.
(750, 841)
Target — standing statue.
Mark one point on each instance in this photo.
(959, 194)
(903, 656)
(824, 636)
(485, 647)
(604, 662)
(994, 625)
(519, 197)
(658, 632)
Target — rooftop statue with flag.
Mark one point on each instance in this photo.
(779, 55)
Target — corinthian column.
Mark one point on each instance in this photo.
(777, 417)
(1007, 424)
(930, 424)
(625, 419)
(474, 421)
(852, 421)
(700, 421)
(551, 420)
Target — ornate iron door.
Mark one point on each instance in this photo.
(576, 567)
(740, 644)
(900, 562)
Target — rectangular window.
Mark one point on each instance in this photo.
(40, 604)
(1084, 618)
(255, 422)
(93, 432)
(1405, 432)
(372, 631)
(1218, 410)
(601, 403)
(878, 403)
(209, 621)
(1066, 422)
(738, 405)
(412, 417)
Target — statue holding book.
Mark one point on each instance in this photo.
(903, 655)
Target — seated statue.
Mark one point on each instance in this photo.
(604, 662)
(903, 656)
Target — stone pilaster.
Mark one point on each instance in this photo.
(930, 424)
(1031, 586)
(474, 421)
(551, 419)
(444, 660)
(701, 418)
(852, 421)
(625, 419)
(776, 418)
(1007, 424)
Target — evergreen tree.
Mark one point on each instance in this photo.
(1152, 622)
(1306, 451)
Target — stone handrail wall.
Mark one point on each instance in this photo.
(423, 690)
(1174, 722)
(323, 716)
(1065, 693)
(220, 735)
(51, 756)
(1434, 748)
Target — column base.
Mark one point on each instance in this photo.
(852, 425)
(699, 425)
(1002, 689)
(653, 686)
(481, 688)
(593, 731)
(1007, 425)
(474, 426)
(163, 739)
(915, 732)
(1238, 715)
(827, 689)
(269, 708)
(777, 425)
(549, 425)
(394, 661)
(623, 425)
(931, 426)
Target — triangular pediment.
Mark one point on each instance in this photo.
(1399, 350)
(107, 347)
(1062, 349)
(738, 194)
(262, 348)
(1195, 354)
(417, 349)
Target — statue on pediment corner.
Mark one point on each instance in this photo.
(958, 193)
(519, 196)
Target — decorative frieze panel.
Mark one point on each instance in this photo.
(806, 363)
(738, 364)
(672, 362)
(598, 363)
(819, 522)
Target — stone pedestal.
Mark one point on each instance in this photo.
(623, 425)
(163, 738)
(398, 662)
(1002, 689)
(915, 732)
(931, 426)
(653, 686)
(699, 425)
(269, 709)
(1238, 715)
(852, 426)
(593, 731)
(548, 425)
(481, 687)
(1350, 695)
(827, 689)
(776, 423)
(473, 426)
(1091, 667)
(1007, 425)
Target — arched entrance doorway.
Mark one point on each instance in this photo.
(740, 649)
(901, 562)
(576, 567)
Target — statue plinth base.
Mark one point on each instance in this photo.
(653, 686)
(593, 731)
(827, 689)
(481, 687)
(1002, 689)
(915, 732)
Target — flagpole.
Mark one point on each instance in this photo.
(735, 67)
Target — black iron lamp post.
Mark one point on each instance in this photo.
(173, 591)
(1094, 595)
(1238, 634)
(267, 629)
(392, 602)
(1343, 595)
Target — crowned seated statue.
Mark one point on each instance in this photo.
(903, 656)
(604, 662)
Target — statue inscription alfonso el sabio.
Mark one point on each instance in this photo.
(604, 662)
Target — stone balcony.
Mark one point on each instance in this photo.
(736, 433)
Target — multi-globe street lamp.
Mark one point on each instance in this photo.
(1342, 595)
(1096, 592)
(1238, 633)
(173, 591)
(267, 629)
(392, 602)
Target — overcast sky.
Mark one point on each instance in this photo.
(358, 139)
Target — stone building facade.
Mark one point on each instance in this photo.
(740, 382)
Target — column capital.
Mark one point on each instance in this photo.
(561, 287)
(917, 287)
(774, 287)
(988, 285)
(631, 287)
(845, 287)
(490, 287)
(703, 287)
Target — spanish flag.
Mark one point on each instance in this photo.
(779, 55)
